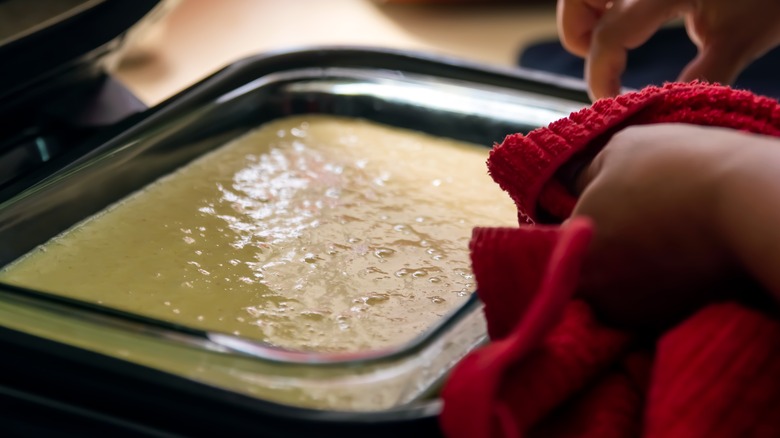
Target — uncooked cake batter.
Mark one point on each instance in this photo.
(314, 233)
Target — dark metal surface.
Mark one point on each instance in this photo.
(66, 48)
(52, 79)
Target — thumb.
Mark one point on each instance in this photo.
(586, 172)
(717, 63)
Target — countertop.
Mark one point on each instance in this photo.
(200, 36)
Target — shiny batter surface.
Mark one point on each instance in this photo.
(312, 233)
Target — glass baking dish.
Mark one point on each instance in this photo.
(441, 98)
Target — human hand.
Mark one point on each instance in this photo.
(654, 194)
(729, 34)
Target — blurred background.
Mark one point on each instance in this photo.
(193, 38)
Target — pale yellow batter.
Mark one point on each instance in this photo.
(315, 233)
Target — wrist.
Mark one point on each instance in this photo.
(747, 207)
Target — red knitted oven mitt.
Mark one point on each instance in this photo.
(552, 370)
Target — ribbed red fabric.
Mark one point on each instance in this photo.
(524, 165)
(552, 370)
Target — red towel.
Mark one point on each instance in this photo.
(552, 369)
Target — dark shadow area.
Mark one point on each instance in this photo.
(659, 60)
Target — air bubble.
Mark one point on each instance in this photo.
(376, 298)
(370, 271)
(310, 258)
(383, 253)
(313, 315)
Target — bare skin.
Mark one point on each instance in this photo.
(729, 34)
(684, 215)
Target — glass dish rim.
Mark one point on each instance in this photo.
(239, 345)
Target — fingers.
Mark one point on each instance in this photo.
(720, 63)
(590, 172)
(627, 25)
(576, 20)
(586, 176)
